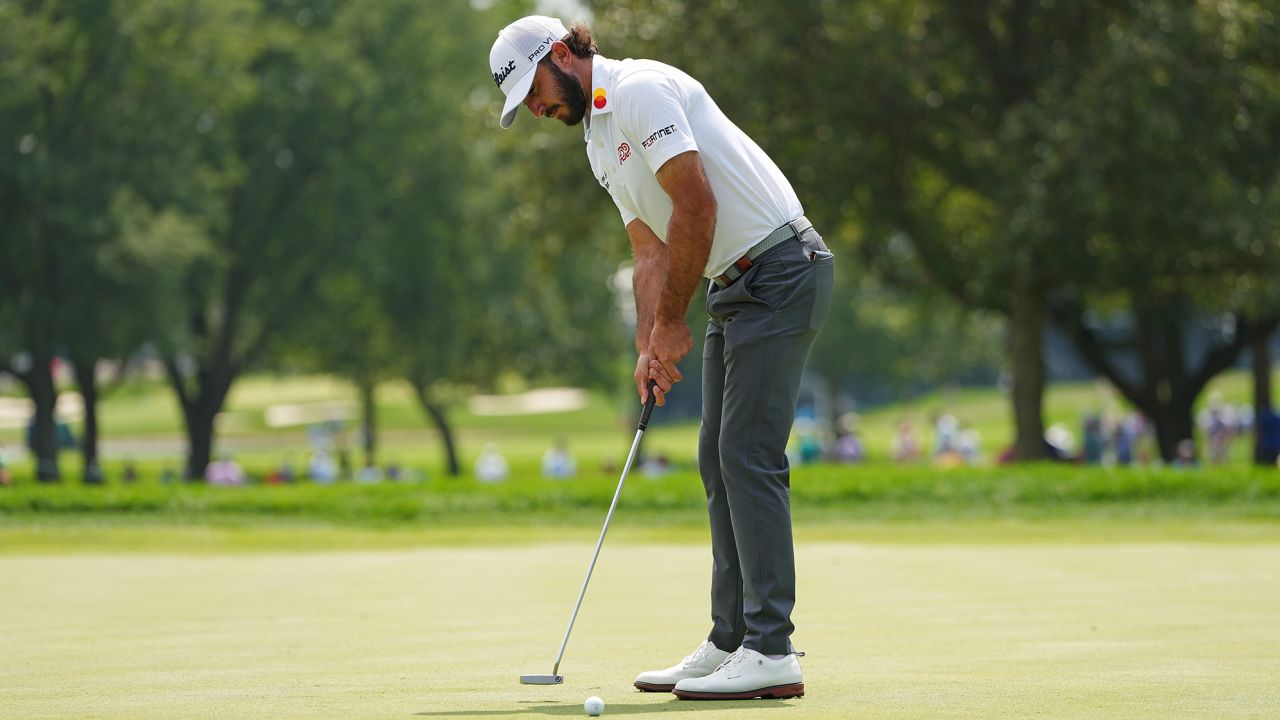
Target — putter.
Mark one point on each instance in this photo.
(555, 678)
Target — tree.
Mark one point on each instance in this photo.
(286, 220)
(347, 335)
(103, 102)
(467, 235)
(1163, 162)
(917, 149)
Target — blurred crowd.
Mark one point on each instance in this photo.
(1103, 438)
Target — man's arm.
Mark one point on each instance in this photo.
(689, 234)
(650, 257)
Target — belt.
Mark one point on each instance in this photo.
(793, 229)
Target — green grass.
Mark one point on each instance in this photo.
(936, 629)
(840, 491)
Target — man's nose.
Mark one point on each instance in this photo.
(535, 107)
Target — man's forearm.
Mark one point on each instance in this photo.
(646, 282)
(689, 236)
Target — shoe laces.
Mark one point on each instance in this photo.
(735, 659)
(703, 650)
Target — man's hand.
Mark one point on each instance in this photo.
(668, 344)
(642, 377)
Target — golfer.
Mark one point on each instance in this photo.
(699, 199)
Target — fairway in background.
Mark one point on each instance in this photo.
(141, 422)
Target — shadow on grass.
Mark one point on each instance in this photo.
(531, 707)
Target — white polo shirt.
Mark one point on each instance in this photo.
(642, 114)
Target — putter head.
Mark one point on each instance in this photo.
(541, 679)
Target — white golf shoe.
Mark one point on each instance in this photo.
(744, 675)
(702, 662)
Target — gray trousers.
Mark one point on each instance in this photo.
(759, 332)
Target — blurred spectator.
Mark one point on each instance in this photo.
(394, 472)
(1095, 440)
(66, 440)
(969, 444)
(370, 473)
(491, 467)
(283, 474)
(558, 462)
(130, 471)
(808, 444)
(1125, 438)
(1186, 456)
(1220, 423)
(906, 446)
(6, 478)
(847, 447)
(655, 465)
(224, 472)
(1061, 443)
(944, 429)
(322, 469)
(286, 471)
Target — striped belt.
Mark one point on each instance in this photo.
(793, 229)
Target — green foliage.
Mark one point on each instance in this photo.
(259, 183)
(876, 492)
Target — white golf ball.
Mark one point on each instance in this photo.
(594, 706)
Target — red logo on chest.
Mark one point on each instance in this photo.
(624, 152)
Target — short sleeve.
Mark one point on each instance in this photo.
(651, 113)
(627, 213)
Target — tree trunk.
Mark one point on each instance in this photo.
(199, 441)
(369, 414)
(1261, 364)
(1026, 354)
(200, 409)
(1173, 424)
(437, 414)
(87, 381)
(44, 394)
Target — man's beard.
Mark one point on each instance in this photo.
(572, 96)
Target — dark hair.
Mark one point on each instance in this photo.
(580, 41)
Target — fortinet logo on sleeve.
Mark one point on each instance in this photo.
(668, 130)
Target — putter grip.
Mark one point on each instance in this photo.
(648, 406)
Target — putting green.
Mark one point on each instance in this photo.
(1114, 630)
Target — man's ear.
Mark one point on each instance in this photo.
(561, 55)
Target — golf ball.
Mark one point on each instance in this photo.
(594, 706)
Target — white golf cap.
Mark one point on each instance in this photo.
(515, 55)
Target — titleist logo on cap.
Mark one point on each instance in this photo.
(503, 72)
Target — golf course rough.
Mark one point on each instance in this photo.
(891, 630)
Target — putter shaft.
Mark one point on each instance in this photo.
(644, 423)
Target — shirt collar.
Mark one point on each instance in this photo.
(600, 100)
